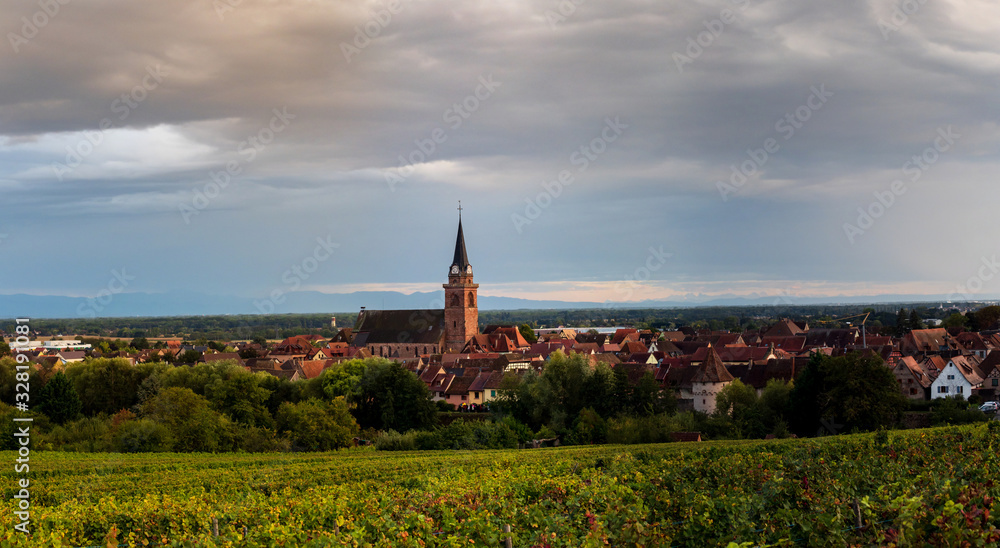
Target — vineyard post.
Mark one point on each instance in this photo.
(215, 526)
(507, 541)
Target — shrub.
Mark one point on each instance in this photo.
(955, 410)
(256, 439)
(652, 429)
(143, 436)
(588, 428)
(87, 434)
(394, 441)
(521, 432)
(315, 425)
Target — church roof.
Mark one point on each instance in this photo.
(461, 257)
(399, 327)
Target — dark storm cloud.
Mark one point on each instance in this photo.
(696, 85)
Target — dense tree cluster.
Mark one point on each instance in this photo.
(108, 404)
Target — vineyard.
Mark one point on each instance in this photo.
(924, 487)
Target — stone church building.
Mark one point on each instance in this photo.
(412, 333)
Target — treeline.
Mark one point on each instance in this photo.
(736, 318)
(221, 328)
(110, 405)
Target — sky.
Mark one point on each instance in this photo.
(602, 151)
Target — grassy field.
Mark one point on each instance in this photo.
(923, 487)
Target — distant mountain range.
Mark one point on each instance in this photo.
(186, 303)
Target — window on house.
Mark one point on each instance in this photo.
(493, 393)
(464, 397)
(960, 389)
(951, 377)
(942, 390)
(996, 382)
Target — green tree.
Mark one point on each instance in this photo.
(985, 318)
(8, 380)
(239, 394)
(59, 400)
(915, 321)
(598, 390)
(647, 398)
(851, 392)
(528, 333)
(738, 402)
(774, 401)
(902, 323)
(560, 388)
(248, 353)
(589, 427)
(955, 320)
(807, 400)
(315, 425)
(194, 426)
(142, 436)
(139, 343)
(188, 356)
(391, 397)
(4, 348)
(105, 385)
(343, 379)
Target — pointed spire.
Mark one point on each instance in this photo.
(461, 257)
(712, 369)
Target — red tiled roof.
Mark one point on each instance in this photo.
(712, 369)
(794, 343)
(784, 328)
(622, 335)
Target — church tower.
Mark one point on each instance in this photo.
(461, 302)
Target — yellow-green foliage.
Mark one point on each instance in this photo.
(930, 487)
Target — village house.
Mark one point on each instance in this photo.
(929, 341)
(958, 378)
(914, 383)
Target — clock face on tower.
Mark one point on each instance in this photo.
(454, 269)
(468, 269)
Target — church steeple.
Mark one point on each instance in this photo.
(461, 310)
(460, 264)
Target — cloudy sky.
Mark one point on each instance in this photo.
(705, 147)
